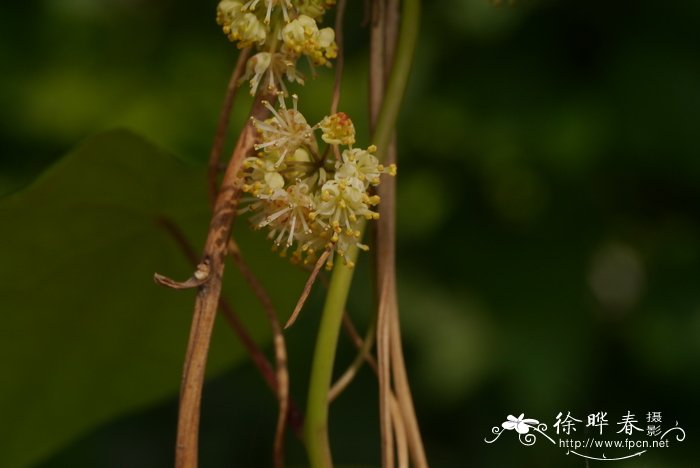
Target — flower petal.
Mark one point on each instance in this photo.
(509, 425)
(522, 428)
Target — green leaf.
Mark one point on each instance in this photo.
(86, 334)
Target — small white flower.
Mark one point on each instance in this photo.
(239, 25)
(287, 216)
(341, 202)
(261, 177)
(265, 67)
(302, 37)
(347, 171)
(522, 426)
(285, 131)
(366, 165)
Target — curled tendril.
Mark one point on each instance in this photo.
(494, 430)
(679, 437)
(527, 439)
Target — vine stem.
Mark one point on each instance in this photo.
(340, 63)
(207, 300)
(294, 418)
(224, 118)
(378, 71)
(316, 421)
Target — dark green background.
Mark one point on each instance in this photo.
(548, 229)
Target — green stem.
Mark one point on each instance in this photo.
(316, 421)
(408, 36)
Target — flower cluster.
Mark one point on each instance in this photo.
(282, 31)
(310, 201)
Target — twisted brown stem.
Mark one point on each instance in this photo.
(224, 117)
(207, 300)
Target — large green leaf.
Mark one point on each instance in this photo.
(86, 335)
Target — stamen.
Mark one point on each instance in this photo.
(273, 217)
(269, 11)
(292, 230)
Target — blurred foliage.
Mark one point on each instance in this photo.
(77, 261)
(549, 231)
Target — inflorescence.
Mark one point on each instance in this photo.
(282, 31)
(310, 201)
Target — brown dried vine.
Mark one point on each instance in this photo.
(222, 126)
(265, 368)
(208, 295)
(392, 372)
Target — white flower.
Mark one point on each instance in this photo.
(276, 66)
(239, 25)
(366, 165)
(341, 202)
(302, 37)
(262, 178)
(285, 131)
(287, 217)
(347, 171)
(522, 426)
